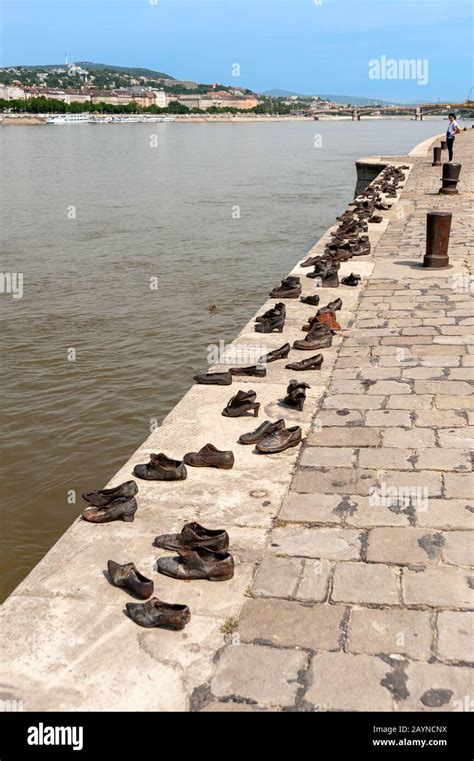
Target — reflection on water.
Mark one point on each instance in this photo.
(92, 215)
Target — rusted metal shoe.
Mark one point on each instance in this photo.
(241, 403)
(210, 457)
(331, 306)
(255, 371)
(318, 337)
(156, 613)
(102, 497)
(296, 394)
(121, 509)
(129, 577)
(351, 279)
(194, 535)
(280, 440)
(274, 355)
(312, 363)
(290, 288)
(214, 379)
(311, 300)
(263, 430)
(161, 468)
(275, 311)
(199, 563)
(269, 326)
(311, 261)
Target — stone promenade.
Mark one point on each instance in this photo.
(353, 589)
(363, 599)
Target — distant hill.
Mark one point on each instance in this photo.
(355, 99)
(89, 66)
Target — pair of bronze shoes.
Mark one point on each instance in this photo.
(202, 554)
(163, 468)
(242, 403)
(225, 378)
(326, 318)
(271, 320)
(290, 288)
(153, 613)
(326, 274)
(319, 336)
(106, 505)
(271, 438)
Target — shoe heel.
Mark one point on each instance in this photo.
(256, 408)
(129, 518)
(300, 405)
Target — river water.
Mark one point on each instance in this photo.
(125, 235)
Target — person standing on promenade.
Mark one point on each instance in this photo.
(451, 133)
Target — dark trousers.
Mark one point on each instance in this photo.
(450, 142)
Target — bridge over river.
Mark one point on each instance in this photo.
(419, 111)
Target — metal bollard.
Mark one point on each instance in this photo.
(450, 178)
(438, 228)
(436, 156)
(444, 145)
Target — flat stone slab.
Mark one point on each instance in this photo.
(346, 682)
(266, 675)
(290, 624)
(331, 543)
(372, 583)
(390, 630)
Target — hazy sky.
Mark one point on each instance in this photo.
(307, 46)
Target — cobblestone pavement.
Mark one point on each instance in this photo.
(363, 598)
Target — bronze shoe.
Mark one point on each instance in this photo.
(214, 379)
(272, 356)
(296, 394)
(351, 279)
(121, 509)
(263, 430)
(290, 288)
(241, 403)
(209, 457)
(311, 300)
(310, 261)
(333, 306)
(161, 468)
(276, 311)
(129, 577)
(155, 612)
(312, 363)
(102, 497)
(280, 440)
(318, 337)
(255, 371)
(193, 535)
(269, 326)
(199, 563)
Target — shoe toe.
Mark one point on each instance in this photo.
(166, 541)
(140, 471)
(168, 566)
